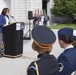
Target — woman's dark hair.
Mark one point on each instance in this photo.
(4, 11)
(66, 39)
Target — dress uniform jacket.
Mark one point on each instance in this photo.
(67, 62)
(47, 65)
(2, 22)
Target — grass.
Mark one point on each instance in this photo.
(58, 26)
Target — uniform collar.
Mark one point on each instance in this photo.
(42, 55)
(75, 46)
(71, 46)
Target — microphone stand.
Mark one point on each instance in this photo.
(13, 18)
(28, 38)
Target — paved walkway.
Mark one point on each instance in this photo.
(18, 66)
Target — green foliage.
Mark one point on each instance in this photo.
(59, 26)
(64, 8)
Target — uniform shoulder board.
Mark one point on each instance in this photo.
(32, 65)
(61, 67)
(32, 68)
(73, 73)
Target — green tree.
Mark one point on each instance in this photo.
(64, 8)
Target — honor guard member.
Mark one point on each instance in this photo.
(46, 64)
(74, 35)
(67, 59)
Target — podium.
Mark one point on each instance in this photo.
(13, 39)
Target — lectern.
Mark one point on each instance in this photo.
(13, 39)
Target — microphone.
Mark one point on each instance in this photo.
(13, 17)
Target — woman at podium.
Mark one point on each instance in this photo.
(4, 20)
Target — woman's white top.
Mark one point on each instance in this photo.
(7, 20)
